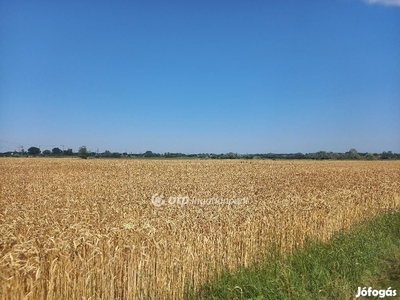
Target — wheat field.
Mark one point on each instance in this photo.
(87, 229)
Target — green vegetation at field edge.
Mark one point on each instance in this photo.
(366, 256)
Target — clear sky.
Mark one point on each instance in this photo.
(200, 76)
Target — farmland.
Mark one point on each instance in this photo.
(80, 229)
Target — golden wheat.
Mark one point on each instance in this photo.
(87, 229)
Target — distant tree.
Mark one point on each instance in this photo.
(107, 153)
(387, 155)
(369, 156)
(34, 151)
(299, 155)
(229, 155)
(336, 155)
(203, 155)
(169, 155)
(56, 151)
(46, 152)
(148, 153)
(322, 155)
(83, 152)
(68, 152)
(353, 154)
(271, 155)
(116, 155)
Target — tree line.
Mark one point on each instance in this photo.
(83, 152)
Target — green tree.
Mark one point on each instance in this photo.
(69, 152)
(148, 153)
(34, 151)
(322, 155)
(46, 152)
(56, 151)
(83, 152)
(353, 154)
(369, 156)
(387, 155)
(116, 154)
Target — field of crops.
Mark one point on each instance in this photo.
(95, 229)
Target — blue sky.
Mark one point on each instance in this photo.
(200, 76)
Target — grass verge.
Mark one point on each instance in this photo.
(368, 255)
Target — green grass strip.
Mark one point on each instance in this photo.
(367, 255)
